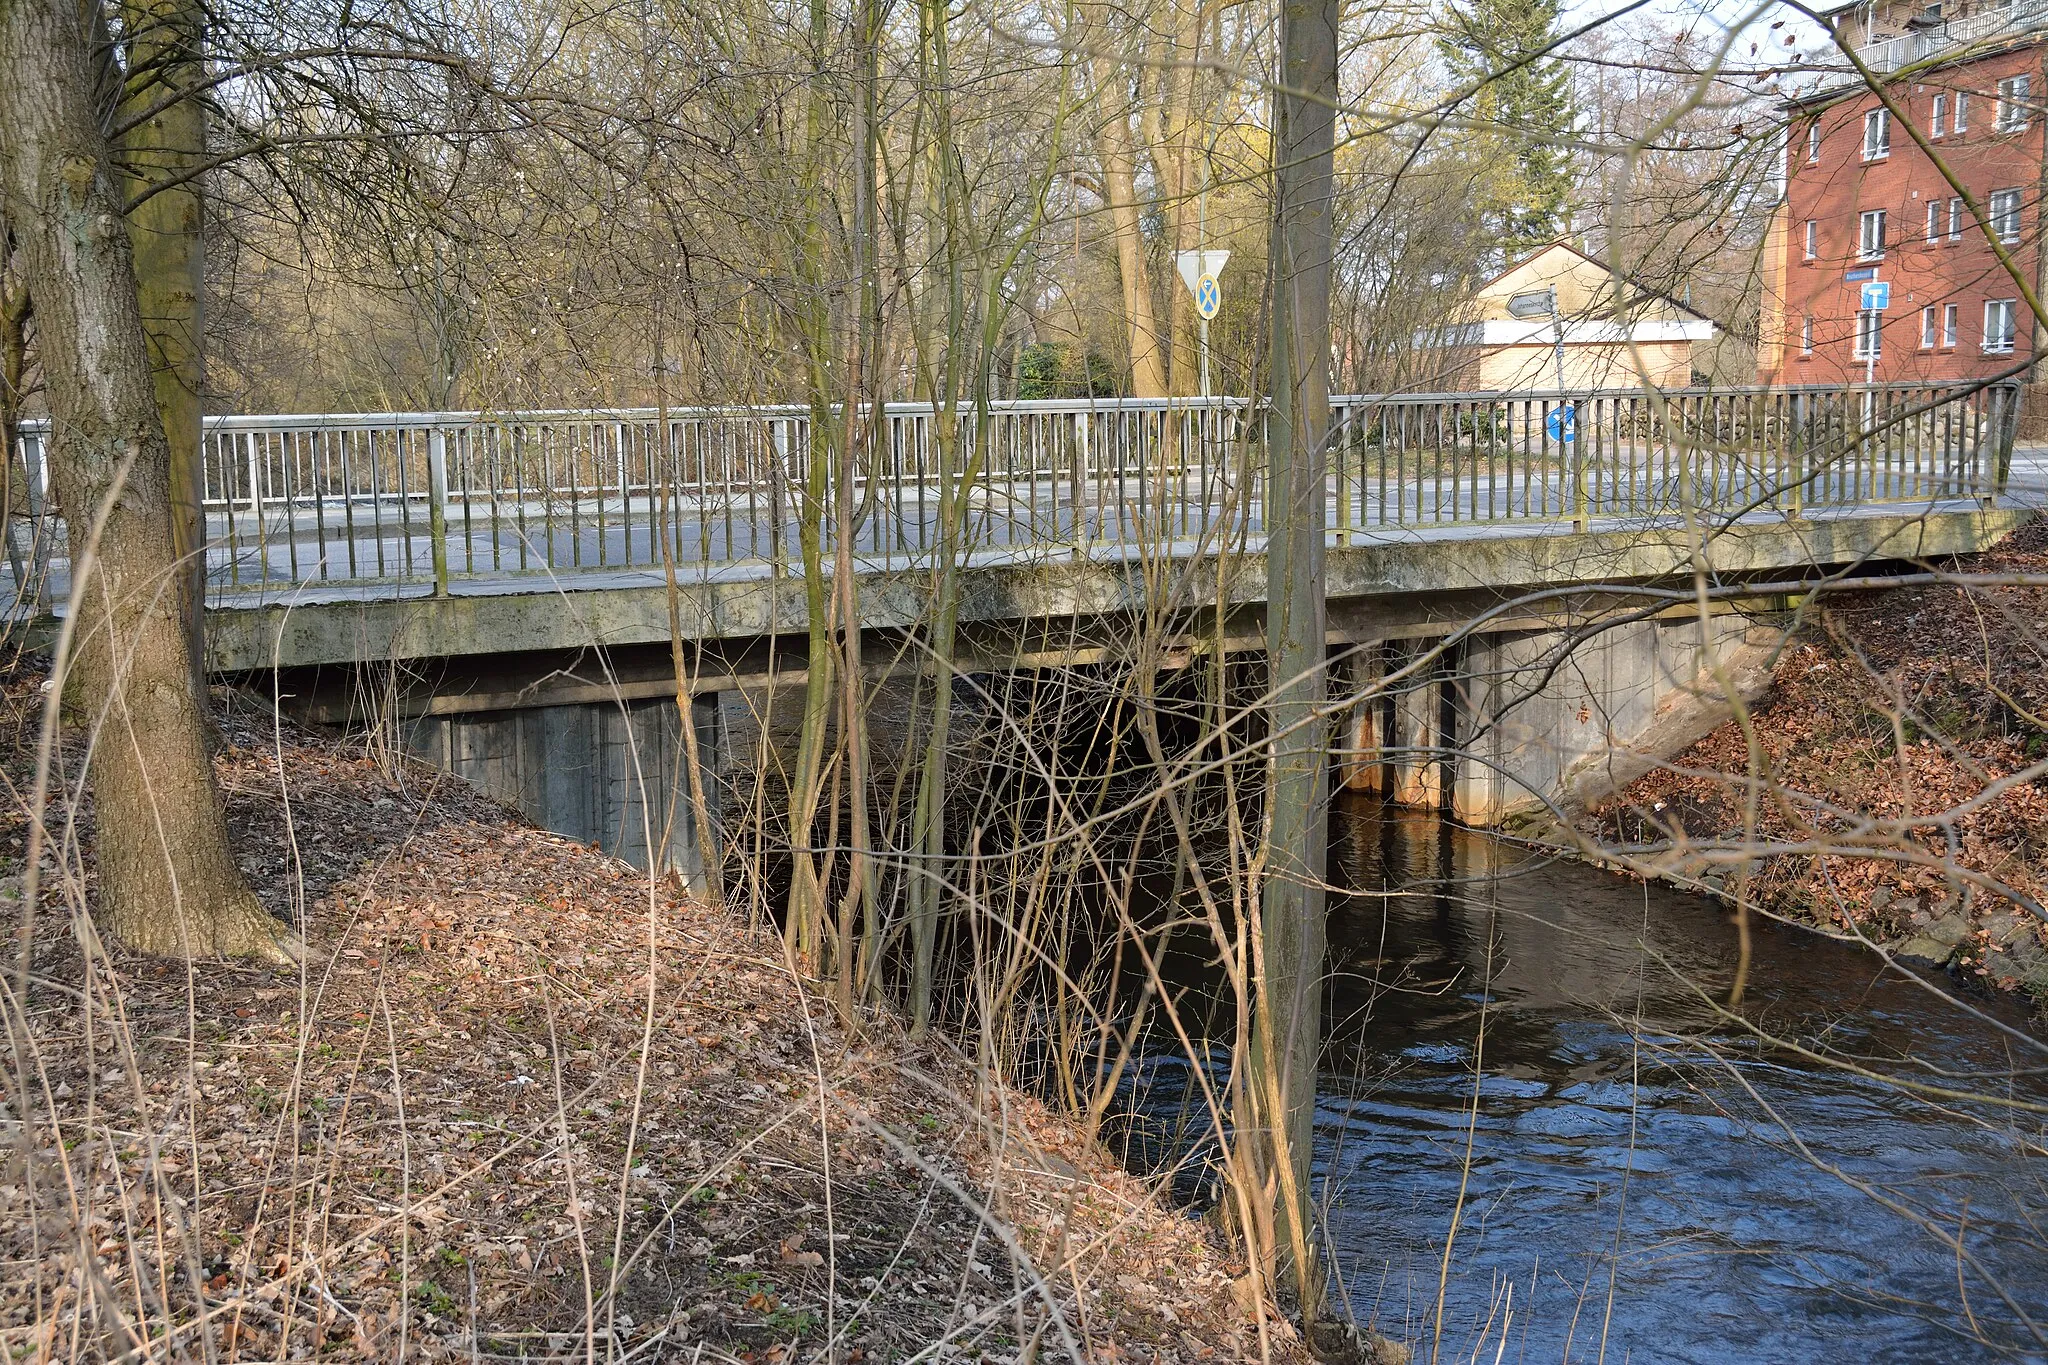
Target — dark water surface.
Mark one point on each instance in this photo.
(1642, 1186)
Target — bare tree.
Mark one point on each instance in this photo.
(168, 883)
(161, 148)
(1287, 1029)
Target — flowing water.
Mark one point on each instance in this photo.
(1651, 1181)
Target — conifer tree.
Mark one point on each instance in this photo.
(1522, 106)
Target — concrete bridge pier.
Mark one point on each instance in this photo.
(614, 774)
(1361, 743)
(1391, 744)
(1517, 720)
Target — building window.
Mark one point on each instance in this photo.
(1806, 335)
(1813, 142)
(2005, 214)
(1955, 219)
(1960, 120)
(1934, 220)
(2012, 104)
(1948, 323)
(1934, 128)
(1877, 134)
(1870, 245)
(1998, 326)
(1928, 325)
(1812, 239)
(1870, 334)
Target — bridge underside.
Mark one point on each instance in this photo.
(542, 697)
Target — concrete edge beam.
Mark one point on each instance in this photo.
(369, 630)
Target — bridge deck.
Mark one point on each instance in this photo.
(1017, 593)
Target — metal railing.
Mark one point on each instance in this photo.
(430, 498)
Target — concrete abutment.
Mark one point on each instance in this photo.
(1500, 725)
(611, 774)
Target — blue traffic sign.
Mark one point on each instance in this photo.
(1208, 296)
(1562, 423)
(1877, 295)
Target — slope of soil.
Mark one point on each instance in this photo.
(1899, 789)
(420, 1146)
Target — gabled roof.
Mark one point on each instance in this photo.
(1561, 244)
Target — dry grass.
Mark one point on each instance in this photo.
(521, 1104)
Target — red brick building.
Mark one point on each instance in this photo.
(1863, 201)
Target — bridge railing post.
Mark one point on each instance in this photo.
(437, 504)
(41, 525)
(1994, 466)
(1795, 434)
(1575, 454)
(1080, 476)
(779, 443)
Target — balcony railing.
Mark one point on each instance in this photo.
(1945, 39)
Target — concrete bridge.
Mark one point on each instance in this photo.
(517, 593)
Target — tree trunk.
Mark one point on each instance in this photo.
(167, 883)
(1287, 1019)
(1176, 143)
(1117, 151)
(166, 45)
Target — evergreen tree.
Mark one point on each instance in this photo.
(1524, 111)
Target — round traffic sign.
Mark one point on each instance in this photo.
(1208, 296)
(1562, 423)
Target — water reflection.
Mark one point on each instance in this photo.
(1643, 1187)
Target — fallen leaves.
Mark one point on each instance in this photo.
(431, 1135)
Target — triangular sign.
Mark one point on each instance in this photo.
(1195, 264)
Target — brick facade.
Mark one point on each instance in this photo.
(1832, 184)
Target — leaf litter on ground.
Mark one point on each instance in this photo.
(523, 1102)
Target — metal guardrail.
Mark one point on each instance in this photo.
(431, 497)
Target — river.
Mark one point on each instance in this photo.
(1649, 1179)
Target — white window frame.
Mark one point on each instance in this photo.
(1806, 335)
(1813, 142)
(1864, 235)
(1955, 219)
(1934, 128)
(1934, 220)
(1877, 134)
(2005, 214)
(2013, 114)
(1951, 314)
(1959, 117)
(1869, 341)
(1812, 239)
(1999, 335)
(1928, 324)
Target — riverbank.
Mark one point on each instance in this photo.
(1897, 751)
(521, 1103)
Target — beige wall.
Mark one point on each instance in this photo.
(1771, 320)
(1666, 364)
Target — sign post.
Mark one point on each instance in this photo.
(1876, 297)
(1542, 303)
(1198, 270)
